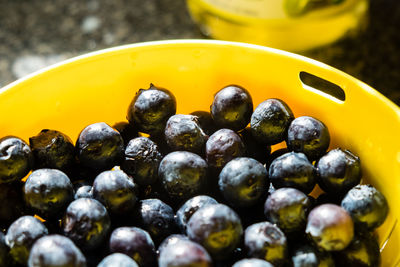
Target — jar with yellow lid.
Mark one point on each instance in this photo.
(293, 25)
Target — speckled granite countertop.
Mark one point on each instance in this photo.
(36, 33)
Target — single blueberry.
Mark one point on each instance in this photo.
(86, 222)
(217, 228)
(21, 235)
(223, 146)
(338, 171)
(116, 191)
(151, 108)
(270, 121)
(265, 240)
(183, 174)
(53, 150)
(55, 250)
(184, 253)
(330, 227)
(309, 136)
(183, 132)
(288, 209)
(156, 217)
(16, 159)
(48, 191)
(135, 243)
(190, 207)
(232, 107)
(100, 147)
(142, 158)
(293, 170)
(243, 182)
(367, 206)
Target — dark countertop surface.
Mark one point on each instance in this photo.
(36, 33)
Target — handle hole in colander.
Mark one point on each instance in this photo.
(322, 85)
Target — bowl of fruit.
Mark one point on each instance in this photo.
(197, 153)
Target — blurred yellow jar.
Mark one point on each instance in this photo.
(293, 25)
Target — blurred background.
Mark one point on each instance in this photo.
(38, 33)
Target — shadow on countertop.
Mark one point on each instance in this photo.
(37, 33)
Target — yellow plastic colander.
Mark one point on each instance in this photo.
(99, 86)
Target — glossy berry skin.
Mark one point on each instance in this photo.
(252, 263)
(243, 182)
(142, 157)
(232, 107)
(338, 171)
(330, 227)
(277, 153)
(16, 159)
(182, 174)
(52, 149)
(156, 217)
(84, 191)
(270, 121)
(309, 136)
(288, 209)
(293, 170)
(55, 250)
(151, 108)
(100, 147)
(21, 235)
(86, 222)
(117, 259)
(206, 121)
(217, 228)
(223, 146)
(183, 132)
(135, 243)
(12, 194)
(116, 191)
(127, 131)
(184, 253)
(367, 206)
(170, 241)
(254, 149)
(307, 256)
(48, 191)
(266, 241)
(190, 207)
(363, 251)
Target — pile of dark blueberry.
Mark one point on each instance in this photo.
(204, 189)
